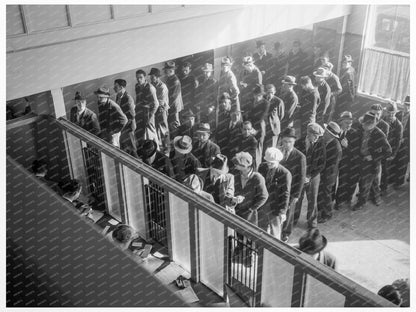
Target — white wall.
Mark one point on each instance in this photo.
(34, 70)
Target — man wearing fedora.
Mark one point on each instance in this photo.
(403, 155)
(229, 134)
(83, 116)
(249, 78)
(278, 182)
(183, 161)
(195, 183)
(126, 102)
(161, 116)
(151, 156)
(324, 94)
(309, 101)
(294, 161)
(312, 146)
(111, 117)
(263, 59)
(290, 100)
(206, 93)
(175, 94)
(329, 174)
(373, 148)
(395, 139)
(218, 182)
(205, 150)
(348, 84)
(228, 82)
(349, 164)
(146, 106)
(314, 243)
(188, 86)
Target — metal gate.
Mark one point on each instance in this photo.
(95, 177)
(156, 212)
(243, 267)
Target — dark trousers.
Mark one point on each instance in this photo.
(349, 175)
(288, 224)
(325, 196)
(400, 163)
(311, 190)
(369, 170)
(173, 119)
(375, 190)
(386, 169)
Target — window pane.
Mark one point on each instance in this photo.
(130, 10)
(86, 14)
(14, 21)
(42, 17)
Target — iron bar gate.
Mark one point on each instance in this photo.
(95, 176)
(155, 201)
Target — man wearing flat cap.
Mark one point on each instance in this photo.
(111, 117)
(147, 105)
(249, 78)
(83, 116)
(313, 147)
(348, 84)
(290, 100)
(206, 93)
(394, 138)
(349, 164)
(126, 102)
(329, 174)
(263, 59)
(188, 86)
(228, 82)
(373, 148)
(205, 150)
(175, 94)
(161, 117)
(295, 162)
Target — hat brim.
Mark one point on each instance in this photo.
(271, 160)
(319, 76)
(101, 94)
(289, 83)
(170, 67)
(143, 154)
(178, 148)
(318, 248)
(203, 131)
(207, 70)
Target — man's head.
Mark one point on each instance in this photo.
(248, 63)
(332, 130)
(141, 77)
(154, 75)
(203, 132)
(123, 234)
(226, 64)
(39, 168)
(186, 68)
(317, 49)
(306, 83)
(270, 90)
(273, 156)
(346, 61)
(407, 104)
(235, 114)
(320, 74)
(391, 293)
(314, 132)
(148, 151)
(377, 110)
(207, 69)
(296, 46)
(169, 68)
(312, 242)
(80, 102)
(258, 92)
(288, 83)
(288, 138)
(345, 120)
(188, 117)
(119, 85)
(194, 182)
(390, 112)
(247, 129)
(369, 121)
(71, 189)
(243, 162)
(103, 94)
(261, 47)
(224, 102)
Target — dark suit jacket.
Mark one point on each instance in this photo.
(315, 157)
(111, 117)
(296, 164)
(222, 191)
(207, 153)
(255, 193)
(325, 99)
(378, 146)
(184, 165)
(249, 145)
(406, 127)
(126, 103)
(229, 139)
(309, 102)
(384, 126)
(333, 156)
(291, 101)
(351, 153)
(278, 187)
(88, 121)
(395, 136)
(347, 81)
(175, 93)
(163, 164)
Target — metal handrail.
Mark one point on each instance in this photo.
(310, 266)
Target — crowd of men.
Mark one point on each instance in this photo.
(285, 124)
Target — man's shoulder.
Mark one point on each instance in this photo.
(296, 154)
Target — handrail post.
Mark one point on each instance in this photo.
(259, 279)
(298, 289)
(194, 242)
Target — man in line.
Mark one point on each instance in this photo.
(247, 142)
(278, 182)
(206, 93)
(228, 82)
(126, 103)
(146, 107)
(348, 84)
(324, 94)
(183, 161)
(111, 117)
(188, 86)
(249, 78)
(329, 174)
(83, 116)
(295, 162)
(336, 89)
(309, 101)
(151, 156)
(290, 100)
(161, 117)
(175, 94)
(263, 60)
(205, 150)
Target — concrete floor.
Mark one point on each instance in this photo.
(372, 246)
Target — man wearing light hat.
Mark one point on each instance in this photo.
(312, 146)
(196, 184)
(111, 117)
(175, 93)
(183, 161)
(205, 150)
(278, 182)
(290, 100)
(83, 116)
(206, 93)
(249, 78)
(373, 148)
(324, 94)
(348, 84)
(329, 174)
(228, 82)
